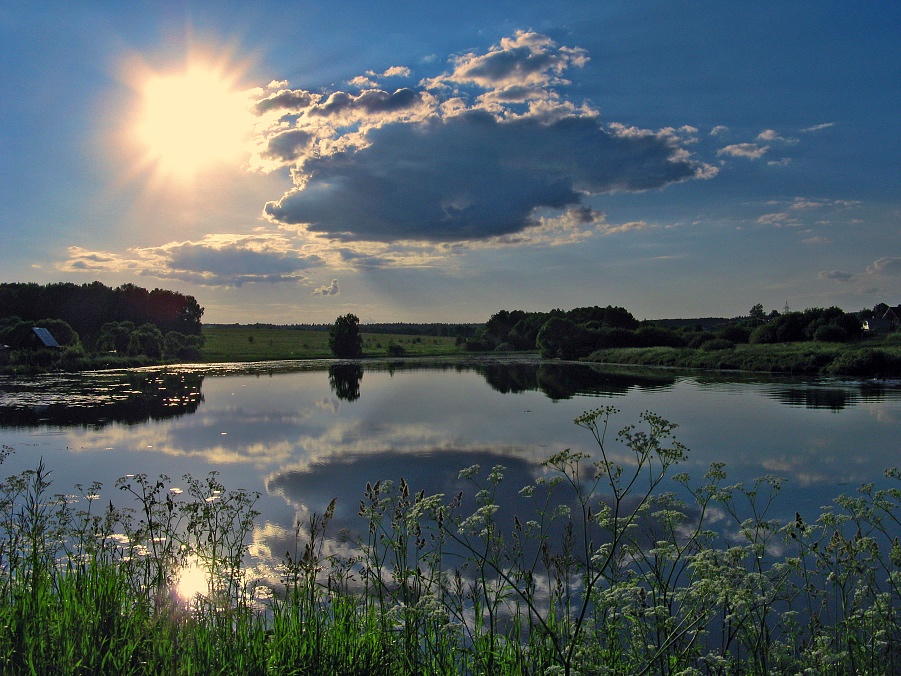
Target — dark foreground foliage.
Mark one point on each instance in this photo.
(604, 565)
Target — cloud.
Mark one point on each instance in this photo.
(369, 80)
(818, 127)
(472, 176)
(770, 136)
(479, 154)
(816, 240)
(329, 290)
(525, 59)
(802, 210)
(751, 151)
(286, 99)
(397, 71)
(216, 260)
(489, 153)
(807, 203)
(779, 219)
(369, 102)
(238, 261)
(719, 130)
(889, 265)
(837, 275)
(288, 146)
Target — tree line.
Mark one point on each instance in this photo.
(576, 333)
(87, 307)
(92, 319)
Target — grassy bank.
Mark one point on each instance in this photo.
(872, 358)
(249, 343)
(596, 567)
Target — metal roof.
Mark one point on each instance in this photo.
(45, 337)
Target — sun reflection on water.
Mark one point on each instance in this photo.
(192, 580)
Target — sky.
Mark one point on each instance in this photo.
(294, 161)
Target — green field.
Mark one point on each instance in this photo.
(878, 357)
(251, 343)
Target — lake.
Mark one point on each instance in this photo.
(302, 433)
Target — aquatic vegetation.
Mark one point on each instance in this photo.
(607, 564)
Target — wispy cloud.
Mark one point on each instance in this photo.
(818, 127)
(751, 151)
(779, 219)
(837, 276)
(888, 265)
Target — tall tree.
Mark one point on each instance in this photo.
(344, 338)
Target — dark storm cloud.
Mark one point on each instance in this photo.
(473, 176)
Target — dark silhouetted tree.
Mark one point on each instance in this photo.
(146, 340)
(344, 338)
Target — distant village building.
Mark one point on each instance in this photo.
(893, 315)
(41, 337)
(877, 325)
(890, 321)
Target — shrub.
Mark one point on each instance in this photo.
(146, 340)
(395, 350)
(476, 345)
(866, 363)
(658, 336)
(615, 337)
(114, 336)
(831, 333)
(717, 344)
(737, 333)
(696, 340)
(765, 333)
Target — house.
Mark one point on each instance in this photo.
(893, 315)
(41, 338)
(877, 325)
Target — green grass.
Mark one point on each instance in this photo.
(597, 568)
(248, 343)
(875, 358)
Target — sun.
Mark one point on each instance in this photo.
(192, 120)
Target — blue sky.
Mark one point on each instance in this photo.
(415, 161)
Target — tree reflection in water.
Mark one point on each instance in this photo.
(90, 400)
(344, 379)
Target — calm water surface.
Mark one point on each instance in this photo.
(304, 433)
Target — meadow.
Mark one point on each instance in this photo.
(871, 358)
(611, 564)
(254, 343)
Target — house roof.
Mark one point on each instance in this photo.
(45, 337)
(893, 314)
